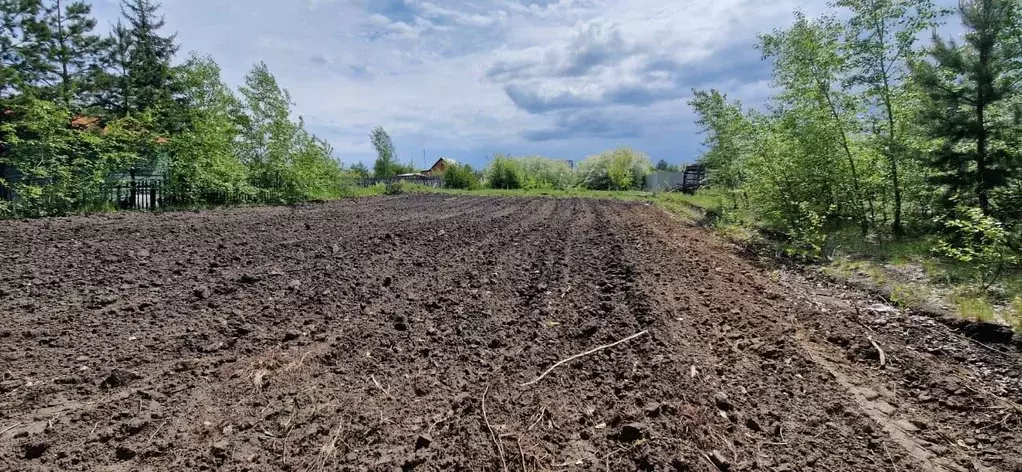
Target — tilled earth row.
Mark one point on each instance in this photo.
(413, 333)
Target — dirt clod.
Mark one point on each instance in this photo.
(124, 452)
(632, 432)
(9, 385)
(119, 378)
(34, 450)
(719, 461)
(722, 401)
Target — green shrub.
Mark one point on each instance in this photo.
(620, 169)
(541, 173)
(461, 176)
(977, 240)
(504, 172)
(396, 187)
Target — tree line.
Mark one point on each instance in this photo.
(879, 123)
(80, 107)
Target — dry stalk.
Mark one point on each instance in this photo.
(539, 418)
(153, 436)
(883, 357)
(500, 448)
(381, 387)
(576, 356)
(15, 425)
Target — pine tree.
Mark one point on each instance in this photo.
(965, 86)
(21, 54)
(149, 56)
(73, 54)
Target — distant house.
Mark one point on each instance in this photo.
(439, 167)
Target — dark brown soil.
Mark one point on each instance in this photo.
(396, 333)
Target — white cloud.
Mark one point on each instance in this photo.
(567, 77)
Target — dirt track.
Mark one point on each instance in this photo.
(395, 333)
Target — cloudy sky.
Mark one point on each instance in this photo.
(468, 78)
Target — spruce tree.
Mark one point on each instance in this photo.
(966, 85)
(72, 52)
(149, 71)
(113, 89)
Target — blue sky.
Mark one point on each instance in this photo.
(466, 79)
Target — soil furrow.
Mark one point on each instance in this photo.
(369, 334)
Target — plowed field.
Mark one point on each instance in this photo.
(413, 332)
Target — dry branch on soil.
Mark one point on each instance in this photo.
(576, 356)
(883, 357)
(500, 448)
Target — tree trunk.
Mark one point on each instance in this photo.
(983, 80)
(63, 55)
(863, 222)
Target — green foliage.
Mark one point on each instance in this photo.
(977, 240)
(284, 161)
(504, 172)
(729, 138)
(205, 159)
(22, 57)
(72, 52)
(60, 165)
(964, 86)
(620, 169)
(148, 71)
(662, 165)
(461, 176)
(880, 37)
(865, 131)
(396, 187)
(82, 112)
(531, 173)
(385, 166)
(541, 173)
(359, 170)
(975, 307)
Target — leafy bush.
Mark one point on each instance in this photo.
(62, 167)
(542, 173)
(504, 172)
(394, 187)
(620, 169)
(977, 240)
(461, 176)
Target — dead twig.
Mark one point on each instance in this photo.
(153, 436)
(883, 357)
(15, 425)
(500, 448)
(521, 453)
(539, 418)
(893, 465)
(381, 387)
(576, 356)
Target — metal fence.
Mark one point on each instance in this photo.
(429, 181)
(148, 191)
